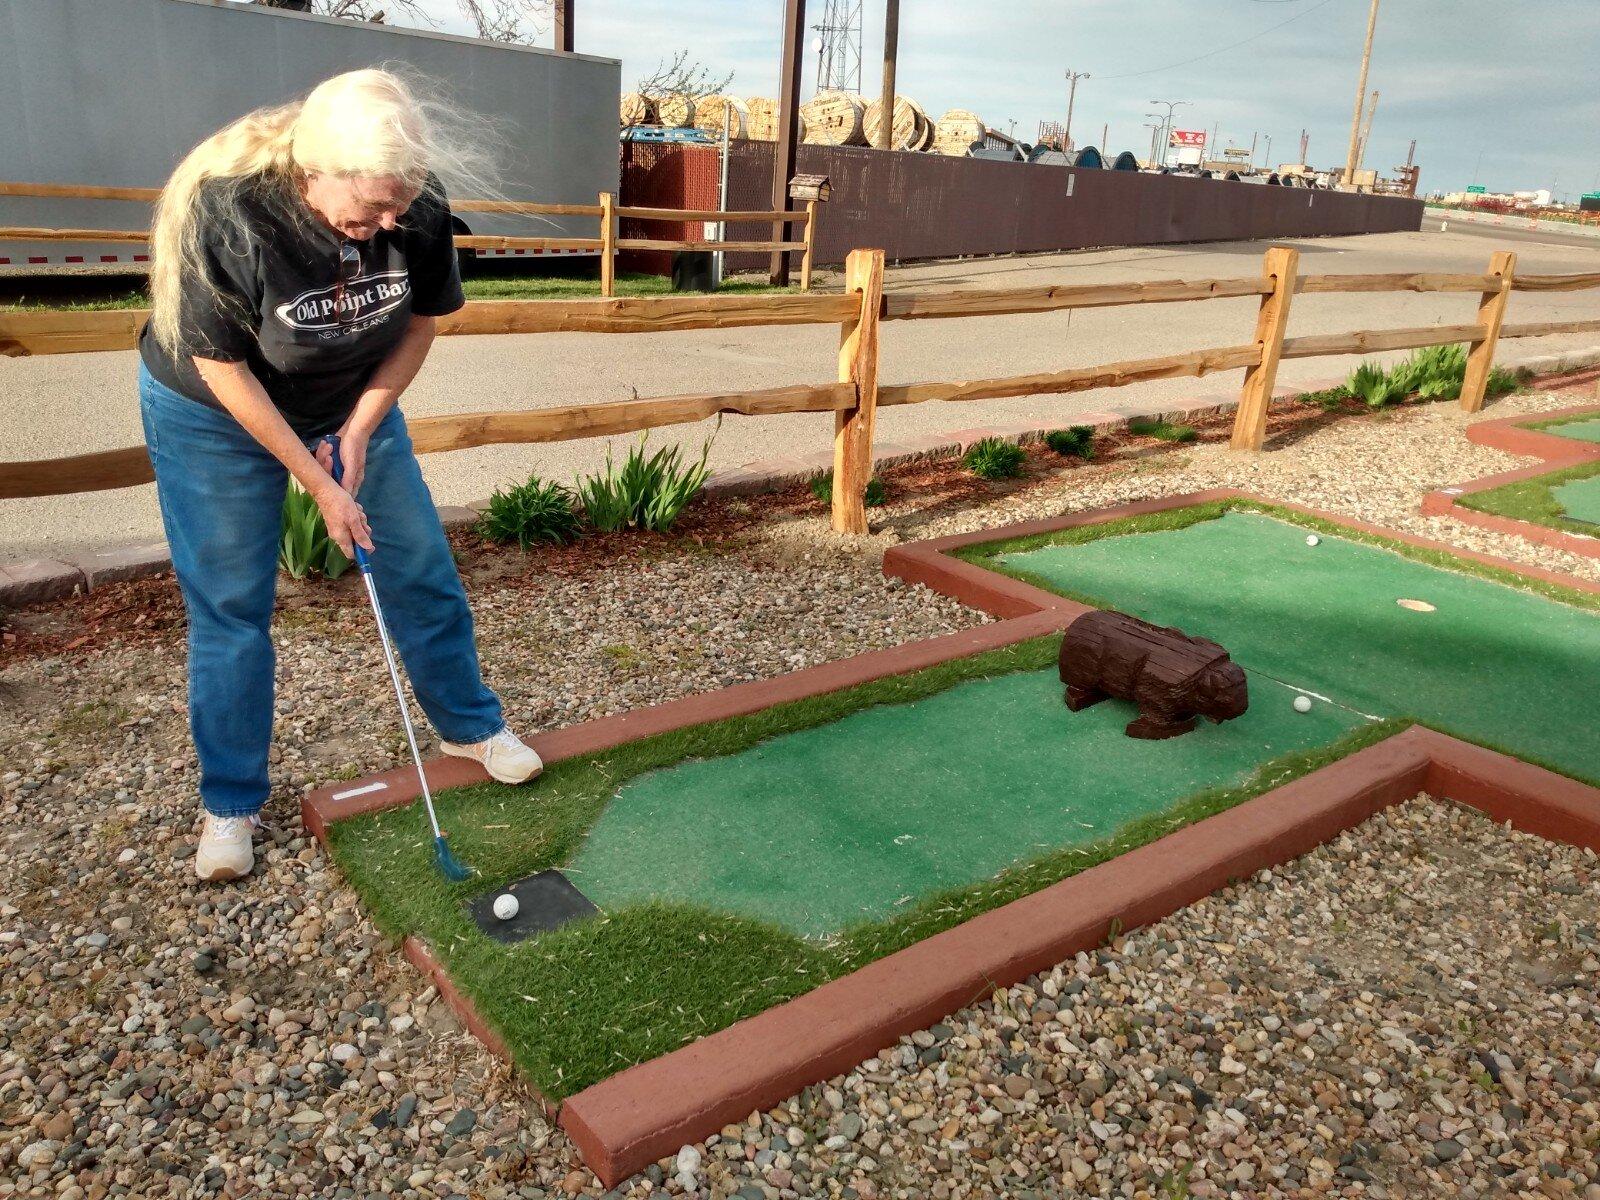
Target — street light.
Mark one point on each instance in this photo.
(1154, 130)
(1167, 124)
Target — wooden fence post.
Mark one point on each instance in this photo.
(1491, 315)
(608, 244)
(810, 235)
(858, 364)
(1250, 423)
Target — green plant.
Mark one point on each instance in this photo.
(1165, 431)
(1503, 381)
(536, 511)
(1373, 385)
(875, 496)
(992, 458)
(1077, 442)
(304, 546)
(647, 493)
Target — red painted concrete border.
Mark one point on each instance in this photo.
(630, 1120)
(1556, 453)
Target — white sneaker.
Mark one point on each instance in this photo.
(504, 756)
(225, 848)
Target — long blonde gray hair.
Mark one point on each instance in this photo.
(365, 123)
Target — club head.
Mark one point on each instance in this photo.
(448, 866)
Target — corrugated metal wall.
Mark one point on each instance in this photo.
(931, 206)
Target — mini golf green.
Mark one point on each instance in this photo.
(1580, 499)
(1491, 663)
(746, 861)
(1587, 430)
(846, 822)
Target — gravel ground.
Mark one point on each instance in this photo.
(158, 1038)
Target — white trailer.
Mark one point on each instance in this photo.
(112, 93)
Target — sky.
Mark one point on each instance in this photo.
(1496, 92)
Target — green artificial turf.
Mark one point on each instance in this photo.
(849, 821)
(1493, 664)
(1542, 500)
(1580, 428)
(585, 1001)
(1580, 500)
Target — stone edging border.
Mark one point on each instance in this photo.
(30, 581)
(644, 1113)
(1512, 434)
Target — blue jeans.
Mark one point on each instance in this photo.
(221, 497)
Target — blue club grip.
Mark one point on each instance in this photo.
(338, 477)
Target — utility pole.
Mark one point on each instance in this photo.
(1254, 135)
(1366, 129)
(1351, 159)
(783, 154)
(564, 22)
(1267, 158)
(1305, 147)
(891, 42)
(1072, 94)
(1105, 138)
(1154, 130)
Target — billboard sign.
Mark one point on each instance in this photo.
(1187, 137)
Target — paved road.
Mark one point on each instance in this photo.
(70, 404)
(1511, 236)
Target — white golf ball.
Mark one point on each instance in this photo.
(1301, 704)
(505, 906)
(1312, 539)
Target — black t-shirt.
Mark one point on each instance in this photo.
(277, 270)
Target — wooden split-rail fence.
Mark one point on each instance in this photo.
(607, 211)
(857, 395)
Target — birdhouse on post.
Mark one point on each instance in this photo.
(810, 187)
(813, 190)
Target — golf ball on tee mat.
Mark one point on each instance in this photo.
(1312, 539)
(1302, 704)
(505, 906)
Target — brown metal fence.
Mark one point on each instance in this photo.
(933, 206)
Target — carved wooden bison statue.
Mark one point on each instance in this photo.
(1173, 678)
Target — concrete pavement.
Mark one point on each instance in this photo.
(70, 404)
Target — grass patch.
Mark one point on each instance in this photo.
(1533, 500)
(477, 287)
(1076, 442)
(986, 554)
(994, 458)
(1165, 431)
(554, 287)
(585, 1001)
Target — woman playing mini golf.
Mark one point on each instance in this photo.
(300, 258)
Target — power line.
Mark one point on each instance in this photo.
(1221, 49)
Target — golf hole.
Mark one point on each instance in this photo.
(1416, 605)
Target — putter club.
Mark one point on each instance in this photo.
(446, 861)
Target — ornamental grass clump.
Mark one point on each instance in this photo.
(992, 458)
(536, 511)
(304, 547)
(1373, 386)
(647, 492)
(1077, 442)
(1165, 431)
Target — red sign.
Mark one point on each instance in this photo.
(1188, 137)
